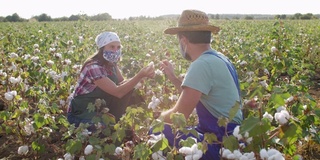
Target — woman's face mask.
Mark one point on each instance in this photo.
(112, 56)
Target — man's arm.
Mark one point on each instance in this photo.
(186, 103)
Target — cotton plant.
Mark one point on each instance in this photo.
(28, 127)
(240, 137)
(271, 154)
(118, 151)
(173, 97)
(23, 150)
(10, 95)
(282, 117)
(236, 155)
(88, 150)
(154, 103)
(68, 156)
(158, 155)
(191, 153)
(155, 138)
(15, 80)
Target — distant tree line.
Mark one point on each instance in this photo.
(307, 16)
(105, 16)
(46, 18)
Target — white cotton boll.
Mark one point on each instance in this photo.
(118, 151)
(159, 72)
(282, 117)
(243, 157)
(272, 152)
(266, 71)
(86, 132)
(274, 49)
(285, 113)
(154, 102)
(264, 154)
(246, 135)
(173, 97)
(68, 156)
(188, 157)
(279, 156)
(249, 140)
(50, 62)
(194, 148)
(23, 150)
(290, 99)
(82, 158)
(231, 156)
(268, 116)
(250, 155)
(139, 85)
(8, 96)
(13, 55)
(151, 64)
(158, 155)
(281, 108)
(225, 153)
(197, 155)
(14, 80)
(236, 133)
(237, 153)
(243, 63)
(242, 145)
(88, 149)
(264, 83)
(185, 150)
(28, 128)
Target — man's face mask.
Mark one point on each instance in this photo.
(183, 52)
(112, 56)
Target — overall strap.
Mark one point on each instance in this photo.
(231, 68)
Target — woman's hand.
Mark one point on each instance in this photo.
(148, 71)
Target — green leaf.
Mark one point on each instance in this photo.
(317, 112)
(188, 142)
(91, 157)
(109, 148)
(73, 146)
(160, 145)
(91, 107)
(157, 126)
(234, 110)
(141, 151)
(249, 123)
(210, 137)
(37, 147)
(39, 120)
(178, 120)
(230, 143)
(223, 121)
(4, 115)
(94, 140)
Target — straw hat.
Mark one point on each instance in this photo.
(193, 20)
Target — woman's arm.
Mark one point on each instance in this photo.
(119, 74)
(119, 91)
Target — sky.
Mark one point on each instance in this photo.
(120, 9)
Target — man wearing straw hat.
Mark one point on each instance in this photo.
(210, 85)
